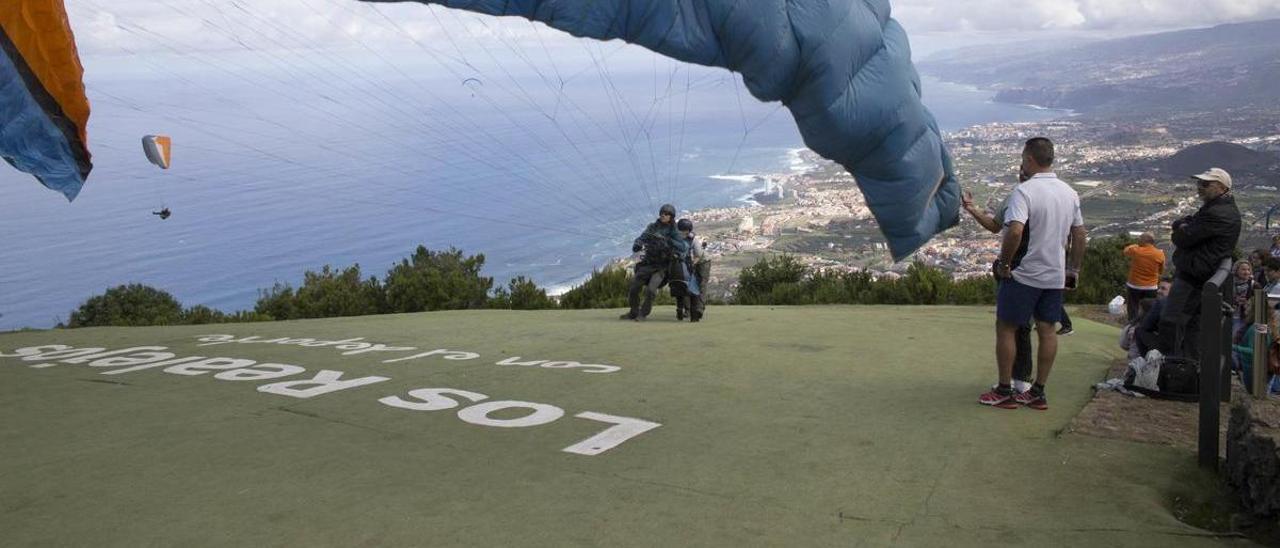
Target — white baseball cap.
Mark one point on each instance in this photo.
(1216, 174)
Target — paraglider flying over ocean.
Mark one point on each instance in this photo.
(43, 108)
(842, 67)
(158, 149)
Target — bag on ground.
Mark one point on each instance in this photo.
(1169, 378)
(1116, 306)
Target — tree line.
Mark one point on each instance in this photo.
(451, 280)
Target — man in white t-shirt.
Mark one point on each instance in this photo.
(1046, 211)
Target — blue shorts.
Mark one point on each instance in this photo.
(1017, 303)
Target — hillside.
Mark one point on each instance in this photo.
(1236, 159)
(778, 426)
(1228, 65)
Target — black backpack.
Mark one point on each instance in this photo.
(1179, 380)
(658, 250)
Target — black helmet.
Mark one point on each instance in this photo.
(667, 209)
(684, 225)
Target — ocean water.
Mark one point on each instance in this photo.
(289, 161)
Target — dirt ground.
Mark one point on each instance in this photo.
(1113, 415)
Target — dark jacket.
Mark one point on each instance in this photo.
(659, 242)
(1203, 240)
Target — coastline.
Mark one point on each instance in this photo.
(796, 164)
(992, 98)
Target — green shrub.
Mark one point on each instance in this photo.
(330, 293)
(1104, 271)
(604, 289)
(783, 280)
(276, 303)
(526, 295)
(201, 314)
(128, 305)
(437, 280)
(756, 283)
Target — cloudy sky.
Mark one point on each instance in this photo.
(1117, 15)
(123, 26)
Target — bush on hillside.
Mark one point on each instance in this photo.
(607, 289)
(1104, 271)
(331, 293)
(526, 295)
(773, 280)
(437, 280)
(521, 294)
(328, 293)
(201, 315)
(276, 303)
(783, 280)
(604, 289)
(128, 305)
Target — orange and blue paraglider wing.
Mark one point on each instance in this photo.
(157, 149)
(42, 99)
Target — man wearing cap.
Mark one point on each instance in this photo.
(1201, 241)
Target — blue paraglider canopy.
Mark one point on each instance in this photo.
(842, 67)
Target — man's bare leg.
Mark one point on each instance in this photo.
(1047, 351)
(1006, 349)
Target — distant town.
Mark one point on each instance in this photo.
(1130, 174)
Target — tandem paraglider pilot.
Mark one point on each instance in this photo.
(658, 244)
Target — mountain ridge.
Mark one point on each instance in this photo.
(1202, 69)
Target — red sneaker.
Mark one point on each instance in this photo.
(1034, 401)
(996, 399)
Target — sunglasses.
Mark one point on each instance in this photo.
(1203, 184)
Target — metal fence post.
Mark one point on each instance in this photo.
(1227, 339)
(1212, 345)
(1261, 346)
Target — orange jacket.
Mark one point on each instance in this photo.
(1147, 265)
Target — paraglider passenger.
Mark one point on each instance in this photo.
(680, 273)
(658, 244)
(697, 271)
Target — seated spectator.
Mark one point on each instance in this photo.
(1275, 246)
(1241, 293)
(1147, 334)
(1255, 259)
(1271, 267)
(1241, 288)
(1129, 334)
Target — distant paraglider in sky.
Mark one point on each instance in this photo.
(42, 98)
(157, 148)
(472, 84)
(843, 68)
